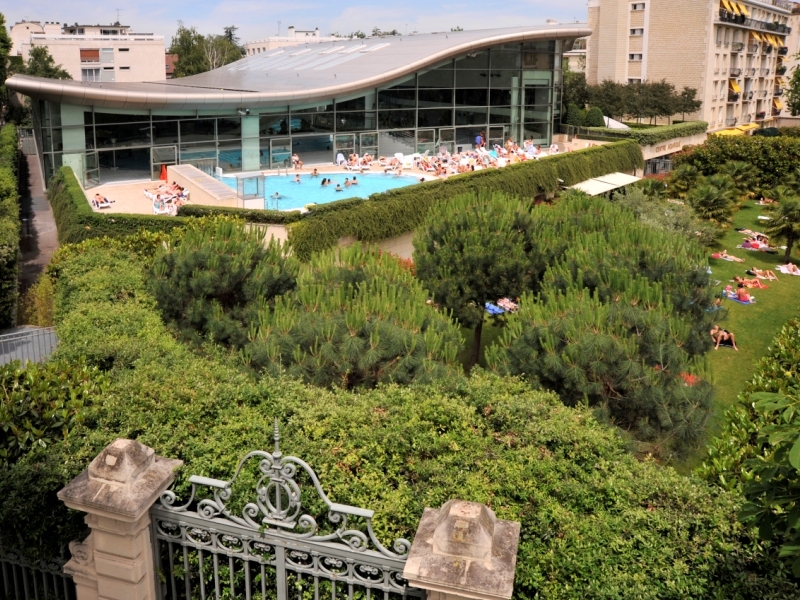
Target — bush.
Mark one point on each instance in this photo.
(594, 118)
(213, 283)
(654, 135)
(9, 226)
(792, 132)
(618, 322)
(41, 404)
(271, 217)
(575, 116)
(402, 210)
(774, 157)
(76, 221)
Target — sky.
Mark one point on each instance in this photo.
(257, 19)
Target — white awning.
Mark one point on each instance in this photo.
(606, 183)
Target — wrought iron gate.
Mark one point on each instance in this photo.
(24, 580)
(225, 544)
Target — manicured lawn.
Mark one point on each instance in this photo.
(755, 325)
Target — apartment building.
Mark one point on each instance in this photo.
(95, 52)
(293, 37)
(734, 52)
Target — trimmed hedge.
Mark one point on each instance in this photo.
(401, 210)
(9, 226)
(76, 221)
(271, 217)
(793, 132)
(655, 135)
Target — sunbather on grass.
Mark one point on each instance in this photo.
(750, 283)
(722, 335)
(766, 274)
(792, 269)
(725, 256)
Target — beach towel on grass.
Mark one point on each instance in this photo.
(784, 269)
(736, 299)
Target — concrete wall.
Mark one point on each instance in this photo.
(144, 60)
(672, 146)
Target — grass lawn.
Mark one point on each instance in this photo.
(755, 326)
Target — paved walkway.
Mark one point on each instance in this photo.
(39, 237)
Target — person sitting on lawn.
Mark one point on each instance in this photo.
(765, 274)
(722, 335)
(742, 294)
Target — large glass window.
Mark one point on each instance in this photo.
(121, 135)
(396, 98)
(354, 104)
(198, 131)
(434, 98)
(470, 116)
(506, 57)
(472, 79)
(474, 60)
(355, 121)
(435, 117)
(472, 97)
(313, 122)
(165, 132)
(275, 125)
(438, 78)
(229, 129)
(101, 118)
(396, 119)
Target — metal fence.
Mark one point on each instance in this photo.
(25, 344)
(27, 141)
(657, 166)
(22, 580)
(227, 543)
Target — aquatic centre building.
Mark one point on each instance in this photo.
(381, 95)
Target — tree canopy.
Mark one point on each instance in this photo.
(645, 100)
(41, 64)
(198, 53)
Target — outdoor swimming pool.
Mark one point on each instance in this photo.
(310, 190)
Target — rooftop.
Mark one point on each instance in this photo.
(294, 75)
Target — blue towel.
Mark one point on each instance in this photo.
(735, 299)
(493, 309)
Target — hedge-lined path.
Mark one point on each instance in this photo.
(39, 237)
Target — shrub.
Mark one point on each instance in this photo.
(9, 226)
(76, 221)
(357, 318)
(575, 116)
(774, 157)
(41, 404)
(594, 118)
(653, 135)
(213, 283)
(274, 217)
(618, 322)
(713, 203)
(36, 307)
(402, 210)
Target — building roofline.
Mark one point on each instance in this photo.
(199, 91)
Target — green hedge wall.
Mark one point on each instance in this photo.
(402, 210)
(9, 226)
(272, 217)
(76, 221)
(655, 135)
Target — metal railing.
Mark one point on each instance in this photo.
(250, 537)
(28, 344)
(734, 19)
(23, 580)
(752, 48)
(737, 46)
(783, 51)
(764, 72)
(750, 72)
(730, 122)
(734, 97)
(735, 71)
(657, 166)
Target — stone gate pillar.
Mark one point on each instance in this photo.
(117, 490)
(461, 551)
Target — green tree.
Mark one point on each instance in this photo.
(713, 203)
(574, 90)
(683, 179)
(213, 283)
(198, 53)
(356, 319)
(41, 64)
(793, 91)
(5, 51)
(594, 118)
(784, 223)
(609, 97)
(687, 102)
(575, 116)
(472, 250)
(744, 176)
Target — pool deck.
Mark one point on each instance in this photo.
(128, 197)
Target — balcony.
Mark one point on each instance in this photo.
(746, 118)
(724, 71)
(760, 115)
(735, 71)
(775, 112)
(750, 72)
(714, 97)
(752, 48)
(748, 96)
(730, 122)
(731, 18)
(737, 47)
(763, 93)
(783, 51)
(768, 49)
(778, 92)
(780, 70)
(716, 71)
(733, 97)
(764, 72)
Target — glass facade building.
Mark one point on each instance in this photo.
(506, 90)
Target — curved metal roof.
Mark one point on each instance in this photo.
(292, 75)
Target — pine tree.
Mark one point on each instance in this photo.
(473, 250)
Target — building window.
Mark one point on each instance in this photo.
(637, 31)
(634, 80)
(90, 55)
(124, 68)
(637, 6)
(107, 56)
(124, 49)
(635, 57)
(90, 74)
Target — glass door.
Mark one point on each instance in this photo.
(344, 144)
(280, 153)
(368, 144)
(91, 170)
(160, 158)
(426, 141)
(446, 141)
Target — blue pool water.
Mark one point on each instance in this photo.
(310, 190)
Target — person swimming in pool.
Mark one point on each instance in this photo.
(276, 196)
(347, 182)
(355, 181)
(297, 178)
(338, 188)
